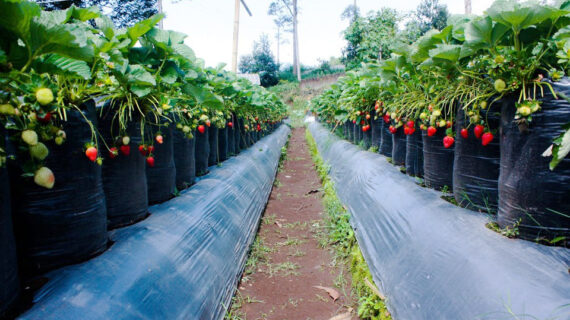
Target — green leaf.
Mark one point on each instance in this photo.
(84, 14)
(449, 52)
(142, 27)
(57, 64)
(169, 74)
(138, 75)
(561, 148)
(105, 24)
(184, 51)
(140, 90)
(16, 16)
(483, 33)
(518, 16)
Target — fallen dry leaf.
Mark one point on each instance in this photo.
(332, 292)
(278, 224)
(342, 316)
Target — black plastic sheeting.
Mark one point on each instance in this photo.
(184, 160)
(528, 190)
(348, 130)
(438, 161)
(124, 172)
(244, 137)
(202, 151)
(415, 154)
(366, 139)
(399, 147)
(434, 260)
(231, 136)
(213, 158)
(10, 288)
(161, 179)
(476, 167)
(68, 223)
(386, 141)
(184, 261)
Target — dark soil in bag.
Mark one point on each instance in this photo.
(530, 195)
(124, 172)
(161, 178)
(223, 143)
(438, 161)
(415, 154)
(476, 167)
(184, 160)
(213, 158)
(399, 147)
(386, 141)
(68, 223)
(10, 288)
(202, 152)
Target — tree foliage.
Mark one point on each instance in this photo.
(370, 36)
(429, 14)
(261, 61)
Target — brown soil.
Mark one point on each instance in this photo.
(280, 284)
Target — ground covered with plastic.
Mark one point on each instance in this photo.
(434, 260)
(182, 262)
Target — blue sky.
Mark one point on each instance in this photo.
(209, 25)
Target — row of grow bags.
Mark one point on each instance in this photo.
(434, 260)
(184, 261)
(509, 176)
(68, 223)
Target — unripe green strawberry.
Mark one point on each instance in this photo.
(30, 137)
(185, 129)
(58, 141)
(525, 111)
(500, 85)
(44, 178)
(39, 151)
(44, 96)
(7, 109)
(126, 140)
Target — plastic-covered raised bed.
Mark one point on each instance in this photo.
(531, 196)
(161, 177)
(386, 140)
(202, 152)
(213, 157)
(184, 261)
(476, 167)
(124, 171)
(10, 288)
(68, 223)
(414, 154)
(184, 160)
(434, 260)
(399, 147)
(438, 161)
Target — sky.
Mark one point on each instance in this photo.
(209, 26)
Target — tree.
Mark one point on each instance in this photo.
(283, 10)
(370, 37)
(123, 12)
(430, 14)
(350, 13)
(261, 61)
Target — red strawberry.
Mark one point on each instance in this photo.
(411, 124)
(113, 152)
(361, 122)
(201, 129)
(412, 130)
(142, 149)
(448, 141)
(354, 121)
(387, 118)
(208, 123)
(422, 127)
(376, 106)
(478, 131)
(126, 150)
(258, 127)
(150, 149)
(150, 161)
(91, 153)
(256, 119)
(449, 124)
(45, 118)
(367, 117)
(406, 130)
(159, 139)
(464, 133)
(431, 131)
(486, 138)
(392, 129)
(230, 124)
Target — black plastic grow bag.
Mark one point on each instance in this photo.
(213, 158)
(399, 147)
(349, 133)
(184, 160)
(386, 141)
(161, 178)
(438, 161)
(434, 260)
(366, 138)
(184, 261)
(415, 154)
(355, 134)
(528, 191)
(244, 138)
(10, 288)
(202, 152)
(68, 223)
(476, 167)
(376, 130)
(223, 144)
(237, 134)
(231, 140)
(124, 172)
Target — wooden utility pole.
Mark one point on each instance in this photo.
(236, 33)
(467, 6)
(159, 5)
(296, 62)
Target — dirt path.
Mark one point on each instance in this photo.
(288, 258)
